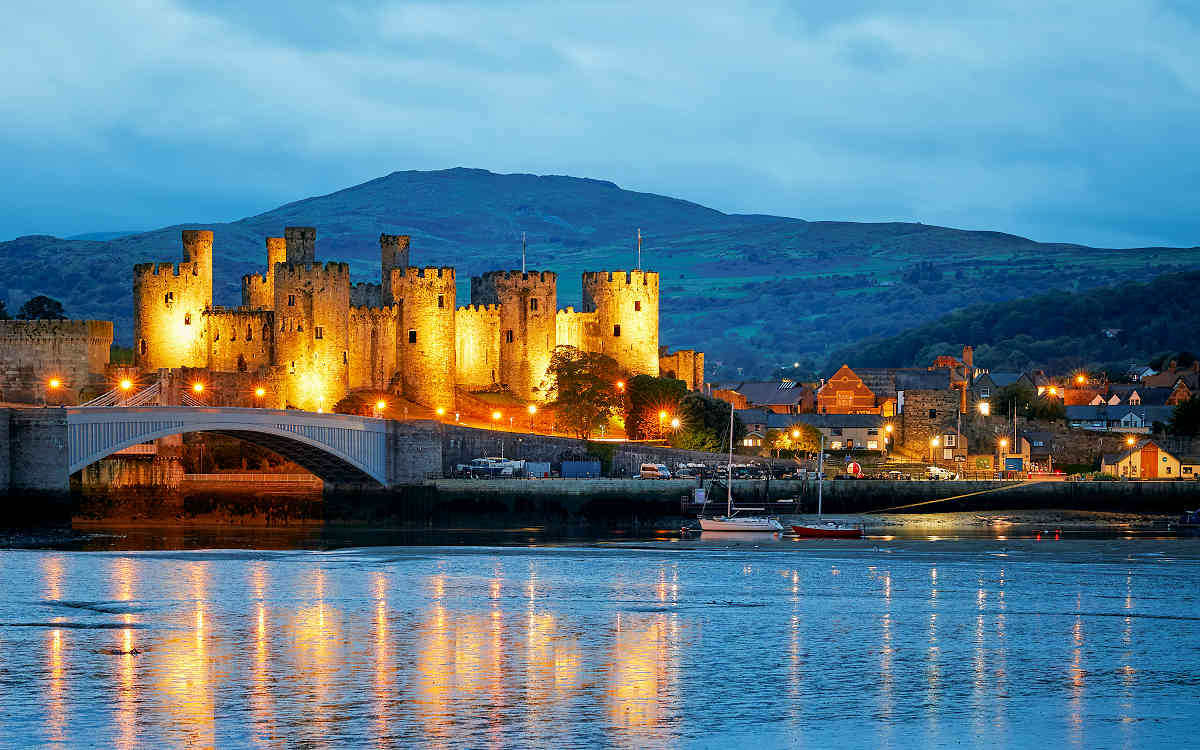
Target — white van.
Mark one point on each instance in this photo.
(655, 471)
(937, 472)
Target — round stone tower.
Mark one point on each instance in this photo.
(626, 307)
(426, 297)
(528, 304)
(312, 319)
(393, 252)
(169, 300)
(276, 252)
(301, 244)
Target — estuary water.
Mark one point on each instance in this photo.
(684, 643)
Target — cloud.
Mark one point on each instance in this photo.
(1055, 120)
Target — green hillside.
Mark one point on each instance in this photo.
(752, 291)
(1107, 328)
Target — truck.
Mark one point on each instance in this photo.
(490, 467)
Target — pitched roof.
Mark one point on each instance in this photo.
(924, 380)
(1003, 379)
(881, 380)
(773, 393)
(833, 420)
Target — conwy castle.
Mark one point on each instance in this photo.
(307, 336)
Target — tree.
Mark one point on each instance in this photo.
(704, 424)
(582, 389)
(3, 311)
(1185, 420)
(648, 398)
(41, 307)
(806, 439)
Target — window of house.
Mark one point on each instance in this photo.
(187, 319)
(168, 298)
(441, 300)
(933, 413)
(873, 431)
(508, 336)
(533, 303)
(985, 392)
(872, 445)
(836, 431)
(345, 357)
(950, 439)
(300, 327)
(836, 445)
(319, 332)
(616, 330)
(637, 305)
(291, 300)
(412, 336)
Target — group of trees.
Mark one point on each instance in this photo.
(40, 307)
(587, 390)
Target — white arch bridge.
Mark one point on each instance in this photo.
(340, 448)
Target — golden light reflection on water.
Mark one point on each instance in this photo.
(122, 577)
(316, 648)
(261, 705)
(55, 688)
(641, 674)
(184, 675)
(383, 661)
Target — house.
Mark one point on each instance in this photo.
(1145, 460)
(1038, 446)
(1117, 417)
(847, 392)
(781, 397)
(1173, 374)
(842, 431)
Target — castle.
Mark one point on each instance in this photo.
(313, 336)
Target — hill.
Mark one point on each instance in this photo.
(753, 291)
(1107, 328)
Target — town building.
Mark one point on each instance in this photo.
(779, 396)
(1147, 459)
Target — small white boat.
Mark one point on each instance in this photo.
(731, 521)
(739, 523)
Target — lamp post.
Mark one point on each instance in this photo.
(126, 385)
(52, 385)
(380, 405)
(532, 410)
(1129, 441)
(1000, 454)
(933, 444)
(259, 393)
(661, 416)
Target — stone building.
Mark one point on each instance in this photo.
(36, 353)
(307, 330)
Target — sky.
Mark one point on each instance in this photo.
(1060, 121)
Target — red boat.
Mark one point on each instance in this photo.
(828, 530)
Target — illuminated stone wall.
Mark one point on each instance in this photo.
(312, 310)
(239, 340)
(374, 352)
(686, 365)
(34, 351)
(528, 307)
(426, 297)
(169, 300)
(393, 254)
(578, 329)
(258, 290)
(477, 346)
(626, 307)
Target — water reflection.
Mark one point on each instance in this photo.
(570, 649)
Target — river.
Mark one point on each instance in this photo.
(657, 642)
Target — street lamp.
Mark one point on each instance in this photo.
(126, 384)
(985, 408)
(532, 410)
(620, 385)
(441, 412)
(55, 384)
(496, 416)
(1080, 379)
(1129, 441)
(933, 444)
(380, 405)
(675, 423)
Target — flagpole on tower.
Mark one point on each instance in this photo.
(639, 265)
(522, 252)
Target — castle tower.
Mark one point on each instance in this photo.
(258, 291)
(393, 252)
(528, 304)
(301, 243)
(427, 334)
(169, 300)
(626, 307)
(312, 318)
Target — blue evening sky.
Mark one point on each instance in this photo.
(1061, 121)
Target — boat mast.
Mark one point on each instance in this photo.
(729, 468)
(820, 474)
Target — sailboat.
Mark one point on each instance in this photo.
(825, 529)
(731, 521)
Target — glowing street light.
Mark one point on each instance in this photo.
(532, 410)
(126, 384)
(985, 408)
(441, 411)
(198, 387)
(380, 405)
(1081, 378)
(55, 384)
(496, 416)
(1130, 440)
(675, 423)
(795, 434)
(620, 385)
(1003, 442)
(259, 392)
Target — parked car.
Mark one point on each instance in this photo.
(937, 472)
(655, 471)
(490, 467)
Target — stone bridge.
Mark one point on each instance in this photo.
(43, 447)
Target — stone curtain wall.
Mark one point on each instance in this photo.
(374, 347)
(528, 304)
(240, 340)
(34, 351)
(477, 346)
(686, 365)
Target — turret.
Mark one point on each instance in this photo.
(393, 252)
(626, 307)
(312, 305)
(528, 304)
(427, 345)
(301, 243)
(168, 306)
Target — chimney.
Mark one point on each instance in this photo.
(968, 358)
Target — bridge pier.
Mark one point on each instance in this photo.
(34, 481)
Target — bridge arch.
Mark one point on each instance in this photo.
(336, 447)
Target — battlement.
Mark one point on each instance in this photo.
(479, 310)
(543, 276)
(367, 312)
(219, 313)
(300, 244)
(299, 233)
(397, 241)
(192, 237)
(331, 269)
(55, 330)
(365, 294)
(165, 269)
(429, 272)
(628, 278)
